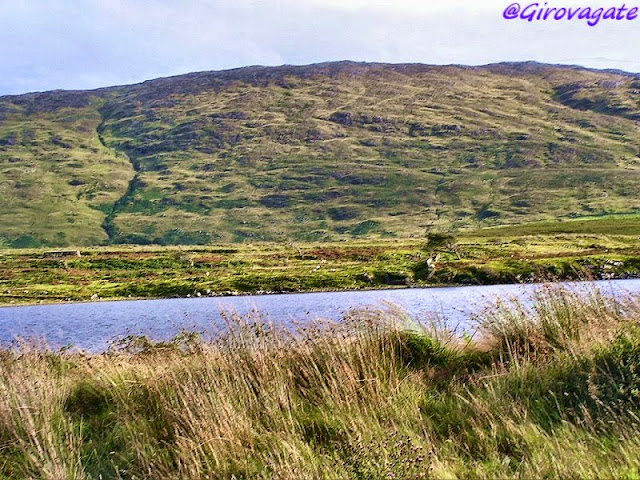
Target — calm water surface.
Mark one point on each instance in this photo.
(92, 325)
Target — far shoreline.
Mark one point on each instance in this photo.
(307, 292)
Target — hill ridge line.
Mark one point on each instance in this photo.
(338, 63)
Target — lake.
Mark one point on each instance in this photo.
(91, 326)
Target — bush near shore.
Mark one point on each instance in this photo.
(550, 390)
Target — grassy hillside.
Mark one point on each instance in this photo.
(317, 153)
(550, 392)
(55, 175)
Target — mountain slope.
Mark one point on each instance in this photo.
(317, 152)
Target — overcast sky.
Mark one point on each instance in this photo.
(52, 44)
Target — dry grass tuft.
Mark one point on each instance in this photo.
(551, 390)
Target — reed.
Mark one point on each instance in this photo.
(547, 390)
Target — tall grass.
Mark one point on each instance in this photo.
(551, 390)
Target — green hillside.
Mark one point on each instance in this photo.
(318, 153)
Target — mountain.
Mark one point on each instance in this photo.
(318, 152)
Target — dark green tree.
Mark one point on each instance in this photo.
(442, 242)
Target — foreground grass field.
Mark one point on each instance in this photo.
(600, 248)
(549, 392)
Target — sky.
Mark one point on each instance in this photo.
(82, 44)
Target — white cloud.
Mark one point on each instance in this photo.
(68, 44)
(410, 6)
